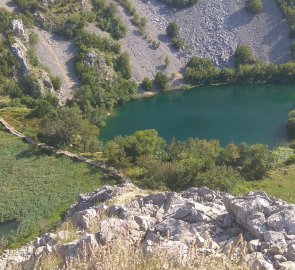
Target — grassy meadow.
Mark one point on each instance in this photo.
(279, 183)
(37, 188)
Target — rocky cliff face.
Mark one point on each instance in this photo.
(20, 48)
(213, 222)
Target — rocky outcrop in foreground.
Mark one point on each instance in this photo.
(214, 222)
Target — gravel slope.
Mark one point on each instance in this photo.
(213, 29)
(57, 54)
(146, 61)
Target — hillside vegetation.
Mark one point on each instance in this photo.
(37, 188)
(152, 162)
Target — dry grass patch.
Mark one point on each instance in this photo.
(129, 194)
(67, 232)
(120, 256)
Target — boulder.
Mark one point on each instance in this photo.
(19, 51)
(75, 249)
(287, 265)
(113, 228)
(249, 211)
(256, 224)
(256, 261)
(18, 30)
(283, 221)
(85, 219)
(290, 253)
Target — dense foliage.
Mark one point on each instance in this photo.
(9, 85)
(200, 71)
(66, 126)
(178, 165)
(254, 6)
(103, 84)
(288, 9)
(37, 188)
(107, 20)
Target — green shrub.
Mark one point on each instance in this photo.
(32, 57)
(254, 6)
(33, 38)
(199, 63)
(161, 81)
(172, 30)
(31, 86)
(147, 84)
(65, 127)
(177, 43)
(56, 82)
(243, 55)
(290, 160)
(122, 65)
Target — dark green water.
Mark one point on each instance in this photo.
(252, 114)
(7, 227)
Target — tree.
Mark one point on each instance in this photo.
(243, 55)
(32, 86)
(147, 84)
(172, 30)
(254, 6)
(161, 81)
(123, 150)
(122, 65)
(65, 127)
(255, 161)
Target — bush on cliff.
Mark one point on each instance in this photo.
(254, 6)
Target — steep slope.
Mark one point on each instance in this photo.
(57, 54)
(213, 29)
(254, 230)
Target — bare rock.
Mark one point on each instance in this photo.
(19, 51)
(256, 261)
(287, 265)
(75, 249)
(18, 30)
(85, 219)
(283, 221)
